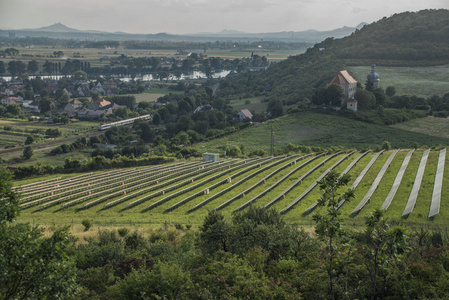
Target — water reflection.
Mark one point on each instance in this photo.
(142, 77)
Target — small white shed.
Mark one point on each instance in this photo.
(210, 157)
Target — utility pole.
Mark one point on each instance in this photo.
(272, 141)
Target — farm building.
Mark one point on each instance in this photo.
(243, 114)
(347, 83)
(203, 108)
(210, 157)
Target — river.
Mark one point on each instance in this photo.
(143, 77)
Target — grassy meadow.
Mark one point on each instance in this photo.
(438, 127)
(255, 104)
(416, 81)
(323, 130)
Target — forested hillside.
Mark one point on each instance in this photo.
(406, 39)
(420, 38)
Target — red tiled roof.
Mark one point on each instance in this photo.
(102, 102)
(247, 113)
(352, 100)
(75, 102)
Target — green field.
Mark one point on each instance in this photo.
(22, 128)
(95, 56)
(438, 127)
(315, 129)
(256, 104)
(412, 81)
(159, 189)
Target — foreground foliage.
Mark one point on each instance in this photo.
(32, 266)
(256, 255)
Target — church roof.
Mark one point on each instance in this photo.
(373, 76)
(352, 101)
(343, 77)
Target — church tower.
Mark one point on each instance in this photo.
(372, 80)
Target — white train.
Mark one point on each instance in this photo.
(123, 122)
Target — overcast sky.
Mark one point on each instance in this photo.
(192, 16)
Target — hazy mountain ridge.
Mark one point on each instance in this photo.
(57, 27)
(59, 30)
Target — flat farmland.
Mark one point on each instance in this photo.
(101, 57)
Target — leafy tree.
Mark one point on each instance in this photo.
(58, 53)
(144, 130)
(214, 233)
(275, 108)
(13, 109)
(260, 227)
(29, 140)
(64, 119)
(386, 145)
(365, 99)
(2, 67)
(9, 207)
(53, 132)
(87, 224)
(49, 67)
(64, 99)
(32, 267)
(381, 247)
(79, 75)
(36, 85)
(16, 67)
(27, 152)
(334, 94)
(166, 281)
(12, 51)
(45, 104)
(390, 91)
(233, 151)
(156, 119)
(380, 96)
(234, 277)
(329, 226)
(32, 66)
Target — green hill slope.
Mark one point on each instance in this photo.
(323, 130)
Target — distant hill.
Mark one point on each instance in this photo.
(57, 27)
(62, 31)
(310, 35)
(421, 37)
(405, 39)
